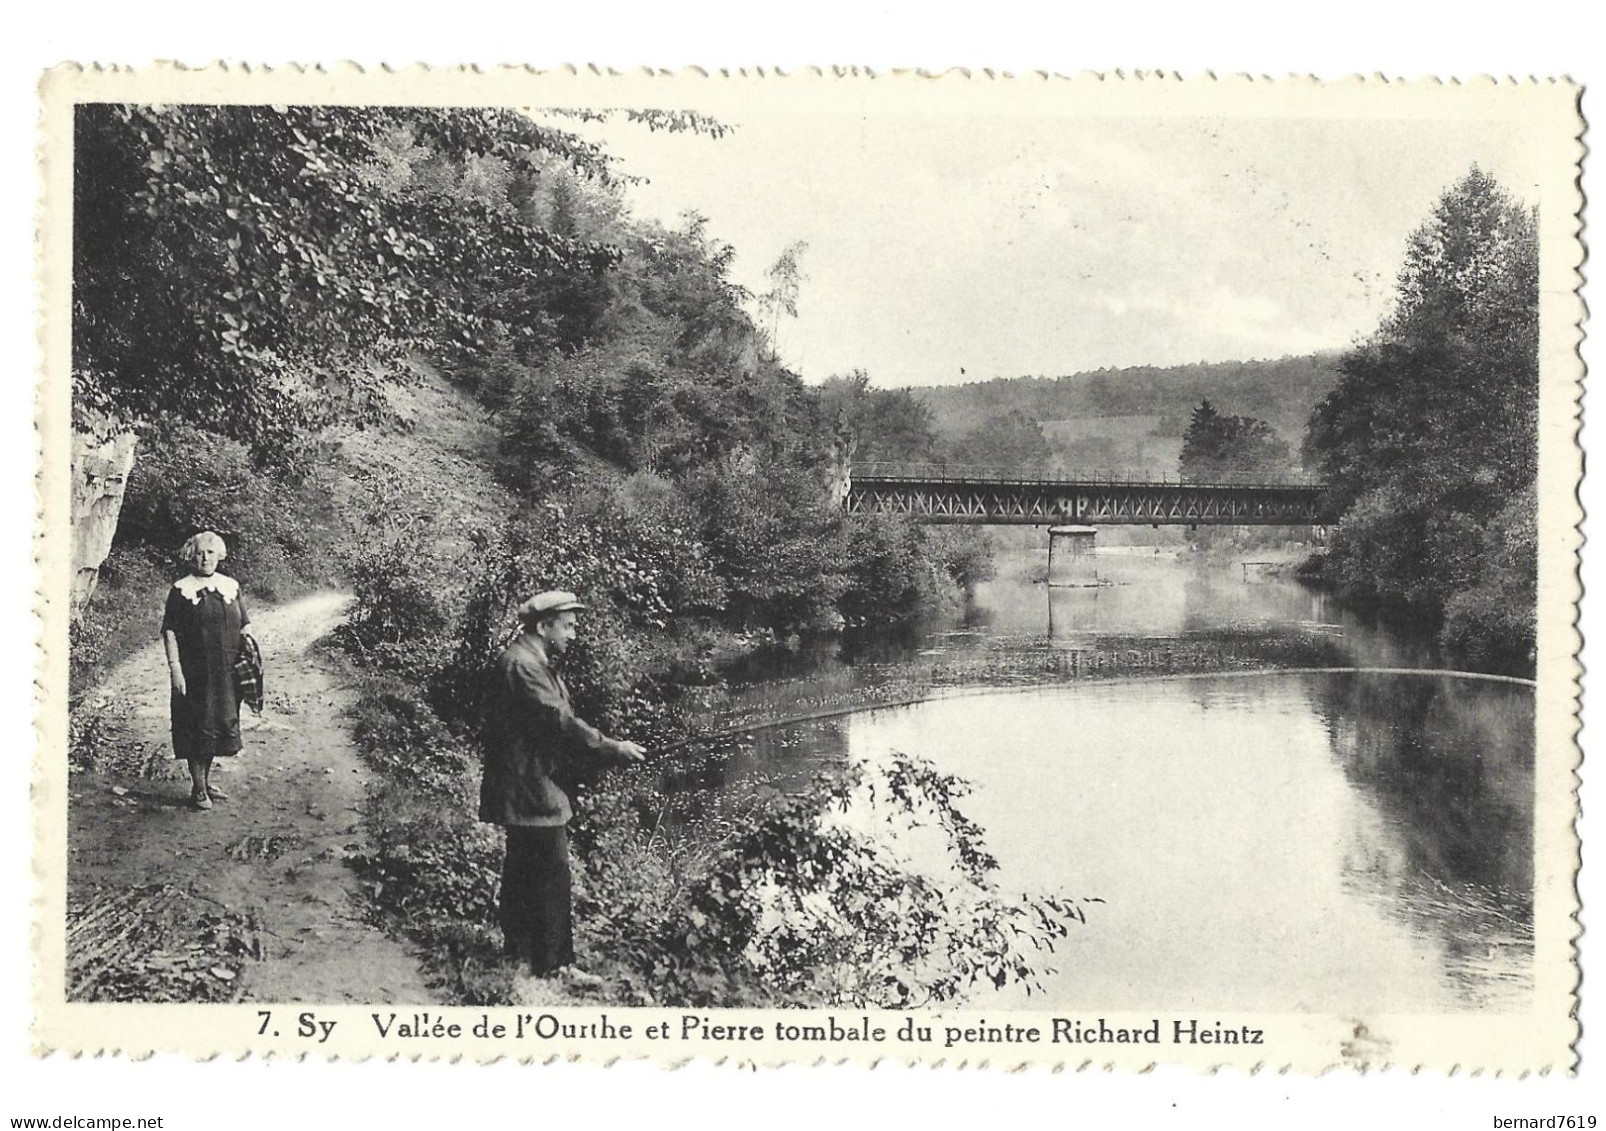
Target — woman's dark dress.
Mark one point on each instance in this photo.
(206, 718)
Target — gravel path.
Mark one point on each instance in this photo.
(252, 900)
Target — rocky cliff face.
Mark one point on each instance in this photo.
(841, 471)
(100, 468)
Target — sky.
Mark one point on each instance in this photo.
(942, 251)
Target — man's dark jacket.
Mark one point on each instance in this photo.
(533, 732)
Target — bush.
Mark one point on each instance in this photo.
(428, 861)
(402, 737)
(897, 570)
(888, 573)
(435, 615)
(1491, 624)
(771, 900)
(965, 553)
(402, 619)
(607, 668)
(1381, 552)
(773, 538)
(661, 569)
(412, 575)
(123, 616)
(277, 521)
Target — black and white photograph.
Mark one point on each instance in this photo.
(802, 567)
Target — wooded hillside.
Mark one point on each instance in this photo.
(1134, 418)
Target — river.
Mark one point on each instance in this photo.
(1317, 839)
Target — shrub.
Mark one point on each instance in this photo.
(965, 553)
(772, 900)
(402, 737)
(1491, 624)
(773, 538)
(429, 863)
(606, 668)
(276, 520)
(665, 569)
(897, 570)
(886, 567)
(124, 615)
(411, 578)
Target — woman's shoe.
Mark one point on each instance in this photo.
(200, 799)
(215, 793)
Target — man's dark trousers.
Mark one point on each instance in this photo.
(537, 921)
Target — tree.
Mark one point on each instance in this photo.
(1203, 441)
(243, 268)
(1448, 387)
(1217, 447)
(239, 267)
(1008, 441)
(772, 535)
(786, 276)
(882, 425)
(1432, 428)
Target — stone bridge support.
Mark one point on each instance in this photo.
(1077, 566)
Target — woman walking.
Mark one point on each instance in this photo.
(202, 630)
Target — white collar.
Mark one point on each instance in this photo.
(194, 585)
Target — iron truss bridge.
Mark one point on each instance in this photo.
(984, 496)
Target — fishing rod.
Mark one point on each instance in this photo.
(790, 720)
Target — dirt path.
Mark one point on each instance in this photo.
(252, 900)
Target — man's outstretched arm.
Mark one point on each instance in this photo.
(552, 716)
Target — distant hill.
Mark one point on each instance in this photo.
(1134, 418)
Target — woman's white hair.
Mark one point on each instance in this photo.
(193, 544)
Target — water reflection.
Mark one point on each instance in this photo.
(1313, 841)
(1293, 841)
(1447, 764)
(1152, 613)
(1143, 594)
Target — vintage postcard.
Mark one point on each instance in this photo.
(968, 569)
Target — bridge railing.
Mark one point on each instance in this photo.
(981, 473)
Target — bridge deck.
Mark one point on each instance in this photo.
(938, 495)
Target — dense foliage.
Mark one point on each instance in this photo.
(1009, 441)
(249, 275)
(1430, 437)
(243, 267)
(1218, 448)
(753, 894)
(880, 425)
(246, 277)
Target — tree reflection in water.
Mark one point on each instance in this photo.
(1447, 764)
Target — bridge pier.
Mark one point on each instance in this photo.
(1078, 568)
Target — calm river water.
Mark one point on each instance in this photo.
(1336, 840)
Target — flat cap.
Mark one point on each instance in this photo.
(552, 601)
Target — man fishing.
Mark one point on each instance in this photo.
(533, 732)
